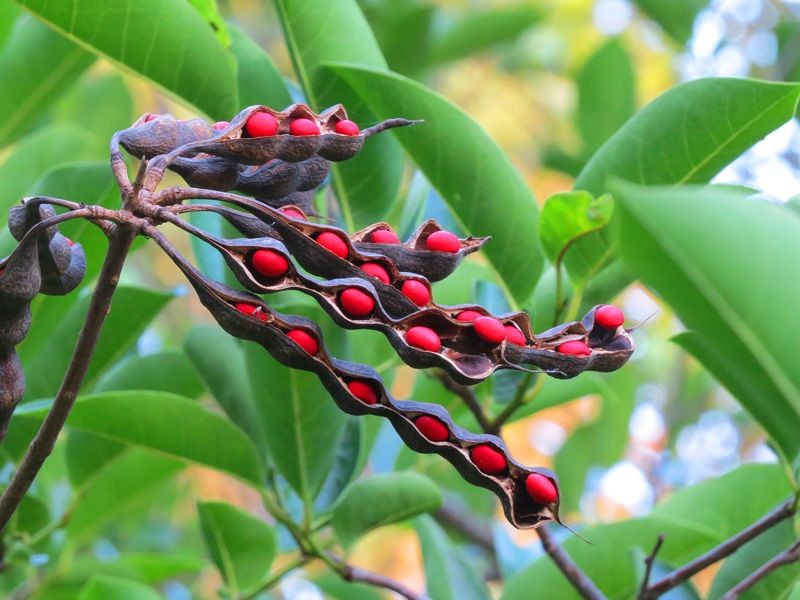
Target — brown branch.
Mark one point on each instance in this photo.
(359, 575)
(579, 580)
(45, 439)
(649, 562)
(467, 396)
(726, 548)
(787, 557)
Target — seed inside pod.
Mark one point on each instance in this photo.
(490, 329)
(269, 263)
(220, 125)
(250, 309)
(261, 124)
(363, 391)
(303, 127)
(443, 241)
(376, 271)
(575, 348)
(346, 127)
(424, 338)
(305, 340)
(384, 236)
(514, 335)
(295, 213)
(416, 291)
(541, 489)
(468, 316)
(488, 459)
(609, 316)
(150, 117)
(432, 428)
(356, 302)
(333, 243)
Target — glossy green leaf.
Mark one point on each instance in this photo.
(382, 500)
(170, 372)
(676, 17)
(103, 587)
(692, 520)
(479, 30)
(260, 82)
(349, 457)
(8, 16)
(733, 282)
(301, 422)
(486, 195)
(606, 94)
(86, 454)
(403, 29)
(366, 185)
(131, 311)
(209, 10)
(41, 64)
(241, 545)
(448, 574)
(165, 41)
(170, 424)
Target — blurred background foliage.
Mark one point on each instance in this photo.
(550, 82)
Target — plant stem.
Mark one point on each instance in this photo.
(42, 445)
(571, 571)
(468, 396)
(521, 397)
(787, 557)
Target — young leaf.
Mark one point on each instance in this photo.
(161, 372)
(476, 180)
(165, 41)
(103, 587)
(734, 282)
(382, 500)
(241, 545)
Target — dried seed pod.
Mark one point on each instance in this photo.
(12, 386)
(277, 179)
(206, 171)
(20, 279)
(149, 137)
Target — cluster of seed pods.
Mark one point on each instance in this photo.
(44, 261)
(368, 280)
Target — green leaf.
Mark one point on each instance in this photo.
(382, 500)
(8, 17)
(41, 64)
(477, 181)
(162, 372)
(165, 41)
(260, 82)
(209, 10)
(692, 520)
(734, 283)
(568, 217)
(479, 30)
(86, 454)
(349, 458)
(220, 361)
(448, 575)
(403, 30)
(103, 587)
(366, 185)
(676, 17)
(131, 311)
(241, 545)
(301, 422)
(170, 424)
(606, 94)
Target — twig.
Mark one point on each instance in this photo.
(357, 574)
(726, 548)
(787, 557)
(469, 398)
(571, 571)
(649, 562)
(45, 439)
(521, 397)
(474, 530)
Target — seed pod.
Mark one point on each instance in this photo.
(276, 179)
(12, 386)
(206, 171)
(150, 137)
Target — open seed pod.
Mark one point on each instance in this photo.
(152, 135)
(12, 386)
(277, 179)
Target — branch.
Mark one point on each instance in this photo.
(469, 398)
(45, 439)
(356, 574)
(649, 562)
(474, 530)
(787, 557)
(571, 571)
(726, 548)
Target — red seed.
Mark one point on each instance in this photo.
(424, 338)
(609, 316)
(346, 127)
(376, 271)
(269, 263)
(490, 329)
(575, 348)
(295, 213)
(333, 243)
(432, 428)
(305, 340)
(488, 459)
(261, 124)
(70, 243)
(443, 241)
(514, 335)
(468, 316)
(356, 302)
(363, 391)
(220, 125)
(303, 127)
(416, 291)
(541, 489)
(250, 309)
(384, 236)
